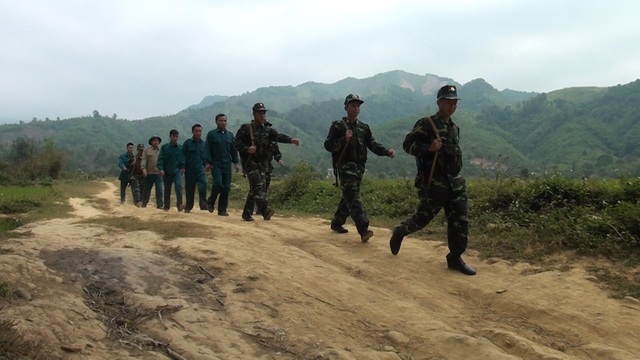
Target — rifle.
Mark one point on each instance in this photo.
(435, 158)
(339, 162)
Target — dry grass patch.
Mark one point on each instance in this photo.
(15, 345)
(167, 229)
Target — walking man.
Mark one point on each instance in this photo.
(171, 166)
(434, 141)
(195, 173)
(125, 163)
(220, 154)
(348, 141)
(136, 179)
(151, 172)
(253, 142)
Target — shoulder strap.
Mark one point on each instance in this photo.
(433, 126)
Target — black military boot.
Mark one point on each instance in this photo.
(396, 240)
(247, 217)
(267, 213)
(335, 226)
(456, 263)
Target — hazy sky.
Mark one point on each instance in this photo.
(141, 58)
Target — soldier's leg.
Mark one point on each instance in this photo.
(256, 180)
(141, 180)
(201, 182)
(123, 190)
(216, 186)
(146, 190)
(158, 182)
(135, 190)
(189, 189)
(428, 207)
(457, 211)
(178, 182)
(167, 181)
(225, 189)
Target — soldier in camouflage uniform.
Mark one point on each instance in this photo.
(125, 162)
(275, 155)
(137, 179)
(253, 142)
(439, 181)
(348, 141)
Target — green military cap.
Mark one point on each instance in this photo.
(352, 97)
(448, 92)
(140, 147)
(259, 107)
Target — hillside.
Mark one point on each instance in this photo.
(579, 131)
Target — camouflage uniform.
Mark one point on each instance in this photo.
(124, 162)
(446, 190)
(349, 161)
(137, 179)
(256, 165)
(275, 155)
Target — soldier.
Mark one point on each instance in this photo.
(348, 141)
(171, 166)
(253, 142)
(151, 173)
(195, 173)
(220, 154)
(125, 163)
(136, 179)
(275, 155)
(434, 141)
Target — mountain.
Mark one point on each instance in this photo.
(208, 101)
(580, 131)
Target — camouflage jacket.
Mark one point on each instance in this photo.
(449, 158)
(136, 171)
(356, 149)
(262, 138)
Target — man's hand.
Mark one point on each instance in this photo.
(348, 135)
(391, 153)
(144, 172)
(162, 173)
(124, 168)
(435, 145)
(295, 141)
(207, 167)
(281, 162)
(237, 167)
(251, 149)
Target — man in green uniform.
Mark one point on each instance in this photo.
(137, 179)
(171, 166)
(151, 173)
(220, 154)
(125, 162)
(195, 173)
(434, 141)
(253, 142)
(348, 141)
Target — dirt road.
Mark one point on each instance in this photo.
(290, 288)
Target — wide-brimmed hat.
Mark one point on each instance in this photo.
(155, 137)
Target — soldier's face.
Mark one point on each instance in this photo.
(197, 132)
(447, 107)
(130, 149)
(155, 143)
(221, 122)
(353, 109)
(260, 116)
(174, 138)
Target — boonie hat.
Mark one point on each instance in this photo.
(352, 97)
(259, 107)
(155, 137)
(448, 92)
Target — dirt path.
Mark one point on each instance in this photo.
(289, 288)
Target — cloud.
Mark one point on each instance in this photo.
(145, 58)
